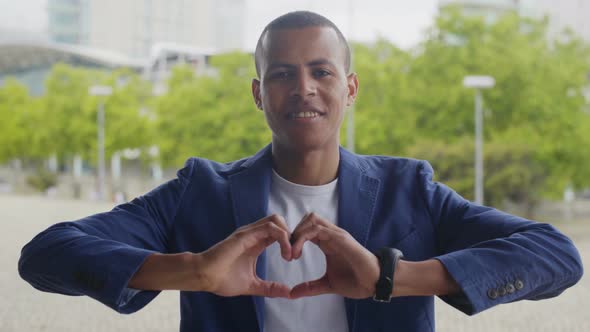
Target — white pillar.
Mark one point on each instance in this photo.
(77, 166)
(568, 199)
(157, 174)
(52, 163)
(116, 167)
(77, 173)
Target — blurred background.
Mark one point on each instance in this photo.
(102, 100)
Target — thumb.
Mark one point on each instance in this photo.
(269, 289)
(311, 288)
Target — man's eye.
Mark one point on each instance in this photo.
(321, 73)
(281, 75)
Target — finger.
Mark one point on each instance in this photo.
(275, 219)
(311, 224)
(309, 220)
(303, 222)
(329, 240)
(266, 234)
(269, 289)
(311, 288)
(311, 233)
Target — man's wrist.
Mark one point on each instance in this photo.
(388, 259)
(423, 278)
(197, 277)
(400, 278)
(183, 271)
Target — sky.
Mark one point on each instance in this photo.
(24, 15)
(401, 21)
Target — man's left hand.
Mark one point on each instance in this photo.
(351, 270)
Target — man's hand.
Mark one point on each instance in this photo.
(229, 267)
(351, 270)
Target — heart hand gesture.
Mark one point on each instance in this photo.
(351, 270)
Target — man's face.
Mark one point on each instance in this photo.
(304, 88)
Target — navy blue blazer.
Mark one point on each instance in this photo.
(383, 201)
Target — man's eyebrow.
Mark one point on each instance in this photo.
(320, 62)
(280, 65)
(309, 64)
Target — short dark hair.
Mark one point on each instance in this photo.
(300, 20)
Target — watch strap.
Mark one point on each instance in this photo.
(388, 258)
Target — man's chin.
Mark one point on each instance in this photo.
(307, 144)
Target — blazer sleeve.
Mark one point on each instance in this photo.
(97, 255)
(496, 257)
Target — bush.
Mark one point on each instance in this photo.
(42, 180)
(511, 172)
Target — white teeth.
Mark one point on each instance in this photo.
(305, 115)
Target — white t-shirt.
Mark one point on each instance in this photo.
(318, 313)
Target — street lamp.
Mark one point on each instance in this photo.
(100, 90)
(478, 83)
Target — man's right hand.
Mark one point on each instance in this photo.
(226, 269)
(229, 267)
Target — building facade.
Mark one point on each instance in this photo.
(66, 21)
(133, 27)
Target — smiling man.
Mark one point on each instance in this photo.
(304, 235)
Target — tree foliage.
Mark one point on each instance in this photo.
(16, 107)
(536, 112)
(212, 116)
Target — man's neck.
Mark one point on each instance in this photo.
(311, 168)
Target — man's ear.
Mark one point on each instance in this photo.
(256, 93)
(353, 88)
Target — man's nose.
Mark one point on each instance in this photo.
(304, 86)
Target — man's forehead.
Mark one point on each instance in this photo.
(283, 36)
(285, 41)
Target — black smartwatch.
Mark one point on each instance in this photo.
(388, 258)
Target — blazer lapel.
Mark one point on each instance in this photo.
(357, 193)
(250, 189)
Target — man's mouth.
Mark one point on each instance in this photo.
(306, 114)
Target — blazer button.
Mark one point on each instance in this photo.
(518, 284)
(510, 288)
(492, 293)
(502, 291)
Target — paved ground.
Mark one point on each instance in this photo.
(24, 309)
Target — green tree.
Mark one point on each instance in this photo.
(211, 114)
(69, 119)
(537, 101)
(537, 110)
(384, 122)
(15, 108)
(70, 113)
(128, 121)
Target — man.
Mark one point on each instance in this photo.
(233, 238)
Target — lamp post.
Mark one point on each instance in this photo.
(478, 83)
(100, 90)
